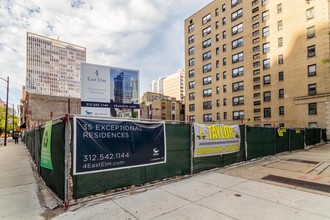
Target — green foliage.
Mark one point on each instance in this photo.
(10, 118)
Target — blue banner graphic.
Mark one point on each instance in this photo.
(105, 144)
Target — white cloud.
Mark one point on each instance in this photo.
(139, 34)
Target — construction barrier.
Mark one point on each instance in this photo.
(68, 186)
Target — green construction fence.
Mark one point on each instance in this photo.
(256, 142)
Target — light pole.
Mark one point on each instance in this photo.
(6, 122)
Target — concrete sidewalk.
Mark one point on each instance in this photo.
(18, 187)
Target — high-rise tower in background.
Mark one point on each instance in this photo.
(53, 66)
(259, 62)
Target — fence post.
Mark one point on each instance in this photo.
(289, 139)
(305, 145)
(66, 161)
(191, 148)
(245, 140)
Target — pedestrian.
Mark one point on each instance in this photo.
(15, 136)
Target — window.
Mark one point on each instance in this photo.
(191, 84)
(206, 19)
(310, 13)
(256, 48)
(254, 10)
(280, 76)
(238, 86)
(217, 76)
(217, 38)
(237, 14)
(207, 55)
(255, 33)
(265, 2)
(265, 15)
(217, 51)
(238, 100)
(267, 96)
(255, 18)
(258, 118)
(191, 73)
(266, 48)
(224, 48)
(191, 50)
(217, 64)
(256, 103)
(217, 25)
(224, 102)
(217, 89)
(207, 80)
(191, 117)
(207, 43)
(281, 93)
(207, 92)
(235, 2)
(256, 40)
(255, 25)
(192, 107)
(191, 39)
(207, 117)
(206, 31)
(256, 87)
(267, 112)
(280, 59)
(312, 70)
(218, 116)
(280, 25)
(224, 61)
(225, 115)
(239, 71)
(238, 115)
(256, 79)
(281, 110)
(223, 8)
(265, 31)
(224, 21)
(224, 75)
(237, 43)
(280, 42)
(312, 108)
(256, 95)
(267, 80)
(237, 29)
(224, 88)
(311, 51)
(256, 64)
(237, 57)
(218, 102)
(256, 56)
(191, 61)
(192, 96)
(266, 64)
(216, 12)
(207, 105)
(312, 89)
(207, 68)
(279, 8)
(224, 34)
(255, 2)
(191, 28)
(310, 32)
(256, 72)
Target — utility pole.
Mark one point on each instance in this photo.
(13, 119)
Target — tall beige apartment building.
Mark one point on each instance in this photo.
(53, 66)
(259, 62)
(173, 85)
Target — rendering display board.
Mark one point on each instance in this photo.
(108, 144)
(216, 139)
(109, 91)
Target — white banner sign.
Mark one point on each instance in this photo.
(216, 139)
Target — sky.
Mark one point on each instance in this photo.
(147, 35)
